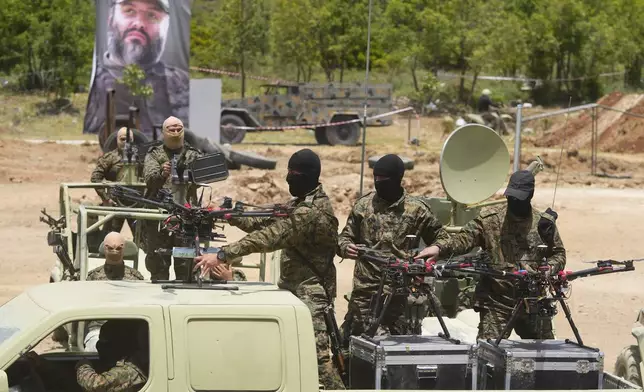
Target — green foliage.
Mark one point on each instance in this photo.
(47, 45)
(133, 77)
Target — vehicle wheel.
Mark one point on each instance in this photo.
(347, 134)
(320, 135)
(627, 365)
(231, 135)
(253, 160)
(110, 142)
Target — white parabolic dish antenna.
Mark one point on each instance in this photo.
(474, 164)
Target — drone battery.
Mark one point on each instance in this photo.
(189, 253)
(538, 364)
(210, 168)
(410, 362)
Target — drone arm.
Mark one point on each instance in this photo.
(600, 270)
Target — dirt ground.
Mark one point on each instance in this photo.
(599, 217)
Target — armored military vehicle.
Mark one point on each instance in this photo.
(306, 105)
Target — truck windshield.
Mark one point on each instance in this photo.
(17, 315)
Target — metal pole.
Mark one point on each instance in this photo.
(517, 140)
(366, 94)
(594, 144)
(409, 128)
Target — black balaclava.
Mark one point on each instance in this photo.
(303, 172)
(519, 192)
(391, 167)
(520, 208)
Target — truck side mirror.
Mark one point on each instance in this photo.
(4, 381)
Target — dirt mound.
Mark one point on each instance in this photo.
(617, 131)
(23, 162)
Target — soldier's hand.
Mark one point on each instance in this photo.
(430, 253)
(352, 251)
(165, 169)
(222, 272)
(207, 263)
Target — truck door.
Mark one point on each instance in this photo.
(56, 367)
(235, 348)
(281, 105)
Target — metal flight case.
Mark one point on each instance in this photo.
(411, 362)
(538, 364)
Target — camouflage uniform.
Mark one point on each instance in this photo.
(171, 96)
(512, 244)
(123, 377)
(159, 265)
(307, 237)
(114, 272)
(109, 168)
(381, 225)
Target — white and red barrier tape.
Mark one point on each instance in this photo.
(325, 124)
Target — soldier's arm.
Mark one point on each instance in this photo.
(250, 224)
(280, 234)
(119, 378)
(349, 234)
(98, 175)
(558, 258)
(433, 230)
(152, 172)
(460, 243)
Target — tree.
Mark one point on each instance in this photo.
(132, 78)
(241, 35)
(293, 36)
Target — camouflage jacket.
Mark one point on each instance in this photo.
(378, 225)
(125, 376)
(171, 96)
(307, 237)
(511, 243)
(152, 169)
(108, 168)
(114, 272)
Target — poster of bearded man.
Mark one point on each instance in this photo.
(153, 34)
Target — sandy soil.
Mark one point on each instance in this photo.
(598, 219)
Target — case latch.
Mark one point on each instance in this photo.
(424, 372)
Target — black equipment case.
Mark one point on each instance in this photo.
(538, 364)
(411, 362)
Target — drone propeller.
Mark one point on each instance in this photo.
(614, 262)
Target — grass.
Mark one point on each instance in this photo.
(29, 116)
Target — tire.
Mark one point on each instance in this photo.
(627, 365)
(232, 136)
(200, 143)
(345, 135)
(320, 135)
(252, 160)
(110, 142)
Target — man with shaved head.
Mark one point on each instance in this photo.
(113, 269)
(157, 172)
(110, 168)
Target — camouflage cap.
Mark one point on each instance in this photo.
(164, 4)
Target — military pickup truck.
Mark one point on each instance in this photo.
(307, 104)
(191, 339)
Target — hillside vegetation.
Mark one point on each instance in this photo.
(566, 44)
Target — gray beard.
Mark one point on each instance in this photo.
(133, 53)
